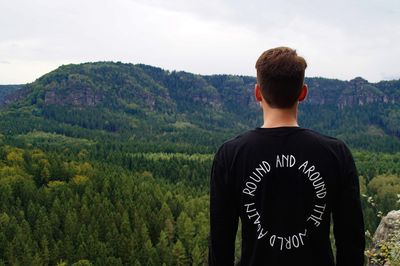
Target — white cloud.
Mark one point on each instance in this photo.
(342, 39)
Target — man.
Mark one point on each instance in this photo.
(285, 183)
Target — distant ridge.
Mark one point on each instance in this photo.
(148, 101)
(357, 91)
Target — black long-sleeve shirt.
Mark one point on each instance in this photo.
(285, 184)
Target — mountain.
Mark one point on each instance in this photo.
(141, 102)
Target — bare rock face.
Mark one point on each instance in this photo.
(385, 240)
(387, 226)
(356, 92)
(16, 96)
(75, 90)
(360, 92)
(82, 97)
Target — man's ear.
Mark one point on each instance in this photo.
(257, 92)
(303, 93)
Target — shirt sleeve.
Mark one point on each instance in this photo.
(347, 216)
(223, 215)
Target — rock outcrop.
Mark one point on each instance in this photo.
(17, 95)
(356, 92)
(83, 97)
(386, 242)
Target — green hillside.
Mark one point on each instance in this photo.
(108, 163)
(137, 101)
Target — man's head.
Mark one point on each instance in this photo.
(280, 75)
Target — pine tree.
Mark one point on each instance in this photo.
(185, 230)
(197, 256)
(163, 249)
(179, 254)
(45, 254)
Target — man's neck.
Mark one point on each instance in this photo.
(276, 117)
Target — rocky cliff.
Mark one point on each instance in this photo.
(356, 92)
(386, 242)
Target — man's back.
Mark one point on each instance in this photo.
(284, 183)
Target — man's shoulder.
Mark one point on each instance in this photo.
(326, 145)
(322, 137)
(329, 140)
(237, 141)
(231, 145)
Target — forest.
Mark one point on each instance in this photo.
(108, 163)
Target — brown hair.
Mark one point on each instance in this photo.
(280, 74)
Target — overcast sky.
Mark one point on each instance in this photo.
(339, 39)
